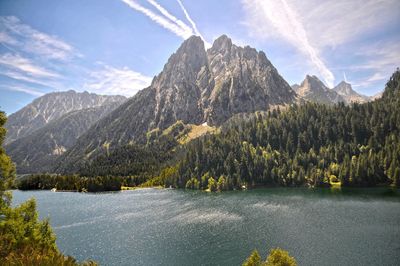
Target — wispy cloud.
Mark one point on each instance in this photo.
(36, 60)
(380, 59)
(171, 17)
(161, 20)
(334, 22)
(7, 39)
(121, 81)
(24, 89)
(188, 17)
(17, 76)
(25, 65)
(262, 14)
(32, 55)
(22, 36)
(167, 20)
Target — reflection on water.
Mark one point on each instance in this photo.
(178, 227)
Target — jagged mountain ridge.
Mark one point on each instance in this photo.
(313, 89)
(39, 150)
(345, 90)
(50, 107)
(195, 86)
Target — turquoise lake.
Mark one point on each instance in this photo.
(178, 227)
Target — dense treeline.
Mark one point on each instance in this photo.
(127, 160)
(310, 144)
(142, 161)
(77, 183)
(24, 240)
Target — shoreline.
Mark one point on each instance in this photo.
(333, 187)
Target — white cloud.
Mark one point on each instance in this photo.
(25, 78)
(121, 81)
(315, 27)
(22, 36)
(24, 65)
(171, 17)
(167, 20)
(33, 54)
(286, 23)
(7, 39)
(334, 22)
(379, 61)
(196, 31)
(24, 89)
(161, 20)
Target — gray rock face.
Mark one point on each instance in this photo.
(195, 86)
(244, 80)
(49, 108)
(177, 88)
(38, 151)
(295, 87)
(312, 89)
(345, 90)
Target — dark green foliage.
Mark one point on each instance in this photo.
(7, 168)
(141, 161)
(20, 228)
(280, 257)
(127, 160)
(253, 260)
(24, 240)
(74, 182)
(276, 257)
(310, 144)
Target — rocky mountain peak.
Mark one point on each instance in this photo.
(191, 53)
(184, 65)
(349, 95)
(313, 89)
(313, 81)
(344, 88)
(221, 44)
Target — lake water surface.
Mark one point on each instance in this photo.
(178, 227)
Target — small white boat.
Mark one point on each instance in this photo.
(53, 190)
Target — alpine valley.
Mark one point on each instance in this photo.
(217, 119)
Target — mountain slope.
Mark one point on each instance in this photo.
(196, 86)
(312, 89)
(345, 90)
(38, 151)
(306, 145)
(51, 107)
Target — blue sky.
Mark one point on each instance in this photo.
(117, 46)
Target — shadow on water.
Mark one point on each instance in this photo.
(382, 193)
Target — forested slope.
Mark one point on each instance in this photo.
(310, 144)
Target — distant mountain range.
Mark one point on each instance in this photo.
(43, 130)
(314, 90)
(51, 107)
(38, 151)
(59, 131)
(345, 90)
